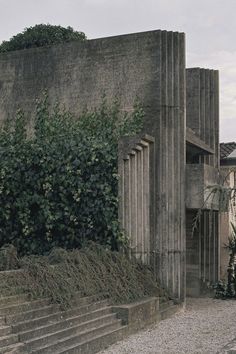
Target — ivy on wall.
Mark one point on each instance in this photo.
(59, 187)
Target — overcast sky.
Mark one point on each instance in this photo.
(210, 27)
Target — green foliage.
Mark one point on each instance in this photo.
(8, 258)
(41, 35)
(228, 289)
(93, 270)
(59, 188)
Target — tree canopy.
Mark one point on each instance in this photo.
(41, 35)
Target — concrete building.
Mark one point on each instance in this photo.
(202, 171)
(165, 169)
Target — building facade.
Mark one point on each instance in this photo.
(159, 193)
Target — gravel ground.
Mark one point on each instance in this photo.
(206, 326)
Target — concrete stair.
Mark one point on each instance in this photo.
(168, 309)
(39, 327)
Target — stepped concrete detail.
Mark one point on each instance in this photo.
(91, 325)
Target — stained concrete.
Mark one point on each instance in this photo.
(148, 65)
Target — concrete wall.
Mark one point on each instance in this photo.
(202, 116)
(149, 65)
(199, 180)
(202, 259)
(136, 194)
(202, 108)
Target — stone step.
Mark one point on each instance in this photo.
(50, 329)
(23, 307)
(169, 311)
(166, 304)
(8, 340)
(29, 315)
(75, 338)
(86, 312)
(5, 330)
(96, 344)
(14, 299)
(12, 291)
(48, 339)
(12, 349)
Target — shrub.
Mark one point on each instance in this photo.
(59, 188)
(90, 271)
(227, 289)
(41, 35)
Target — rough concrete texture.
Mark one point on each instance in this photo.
(202, 108)
(148, 65)
(139, 314)
(199, 179)
(207, 327)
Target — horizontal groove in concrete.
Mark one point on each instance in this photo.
(12, 349)
(76, 338)
(50, 329)
(5, 330)
(20, 317)
(13, 299)
(169, 311)
(166, 304)
(84, 313)
(8, 340)
(96, 310)
(97, 343)
(23, 307)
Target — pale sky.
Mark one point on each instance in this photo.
(210, 27)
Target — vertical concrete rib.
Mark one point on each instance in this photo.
(164, 158)
(170, 165)
(159, 151)
(169, 169)
(141, 204)
(139, 201)
(207, 107)
(145, 197)
(216, 76)
(148, 191)
(176, 170)
(133, 206)
(207, 111)
(212, 116)
(202, 106)
(129, 226)
(182, 137)
(125, 195)
(193, 100)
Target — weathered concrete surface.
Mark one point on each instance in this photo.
(136, 167)
(140, 314)
(202, 108)
(224, 239)
(149, 65)
(202, 258)
(202, 174)
(200, 179)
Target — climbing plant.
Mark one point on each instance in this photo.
(59, 187)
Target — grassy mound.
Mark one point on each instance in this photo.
(93, 270)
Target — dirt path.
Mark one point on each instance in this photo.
(206, 326)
